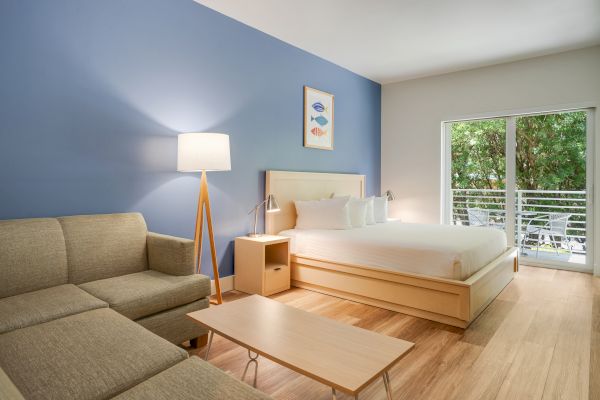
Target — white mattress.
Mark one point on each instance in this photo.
(445, 251)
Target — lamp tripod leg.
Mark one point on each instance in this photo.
(198, 231)
(213, 251)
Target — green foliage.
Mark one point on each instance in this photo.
(478, 149)
(550, 153)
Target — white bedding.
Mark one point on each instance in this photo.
(445, 251)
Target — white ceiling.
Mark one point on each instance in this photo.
(393, 40)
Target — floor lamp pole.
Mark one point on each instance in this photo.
(204, 202)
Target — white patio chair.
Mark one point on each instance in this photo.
(478, 217)
(554, 224)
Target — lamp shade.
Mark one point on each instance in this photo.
(390, 195)
(272, 205)
(203, 152)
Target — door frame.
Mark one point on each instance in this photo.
(510, 116)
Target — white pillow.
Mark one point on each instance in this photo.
(370, 211)
(380, 209)
(323, 214)
(358, 212)
(357, 209)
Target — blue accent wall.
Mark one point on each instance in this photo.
(94, 93)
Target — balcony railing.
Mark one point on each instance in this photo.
(550, 224)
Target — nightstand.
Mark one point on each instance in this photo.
(262, 264)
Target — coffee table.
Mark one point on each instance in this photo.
(344, 357)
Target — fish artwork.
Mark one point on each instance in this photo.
(321, 120)
(319, 107)
(318, 131)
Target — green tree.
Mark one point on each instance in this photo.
(478, 160)
(550, 153)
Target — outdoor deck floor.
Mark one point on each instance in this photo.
(530, 255)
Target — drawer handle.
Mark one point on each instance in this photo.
(278, 268)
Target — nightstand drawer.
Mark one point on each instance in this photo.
(277, 279)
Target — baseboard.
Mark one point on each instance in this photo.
(226, 284)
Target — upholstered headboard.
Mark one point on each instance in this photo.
(288, 186)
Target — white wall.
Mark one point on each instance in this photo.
(412, 112)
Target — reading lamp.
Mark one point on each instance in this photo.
(202, 152)
(390, 195)
(270, 206)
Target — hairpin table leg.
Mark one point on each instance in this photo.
(250, 356)
(210, 338)
(388, 386)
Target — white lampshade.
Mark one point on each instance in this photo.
(203, 152)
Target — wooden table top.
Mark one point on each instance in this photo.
(342, 356)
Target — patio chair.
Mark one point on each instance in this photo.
(478, 217)
(554, 224)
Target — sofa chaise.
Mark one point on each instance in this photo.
(92, 307)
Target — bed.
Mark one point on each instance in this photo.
(441, 251)
(443, 273)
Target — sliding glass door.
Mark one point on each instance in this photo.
(528, 175)
(478, 173)
(551, 187)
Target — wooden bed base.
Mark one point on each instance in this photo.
(448, 301)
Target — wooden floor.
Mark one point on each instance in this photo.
(540, 339)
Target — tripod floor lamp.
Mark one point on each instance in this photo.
(202, 152)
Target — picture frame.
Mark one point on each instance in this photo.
(318, 119)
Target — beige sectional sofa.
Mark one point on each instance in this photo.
(70, 291)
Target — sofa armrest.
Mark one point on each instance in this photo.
(170, 255)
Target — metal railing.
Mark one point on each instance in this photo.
(533, 210)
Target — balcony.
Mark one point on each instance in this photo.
(550, 224)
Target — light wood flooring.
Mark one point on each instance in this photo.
(540, 339)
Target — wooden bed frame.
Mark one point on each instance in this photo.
(448, 301)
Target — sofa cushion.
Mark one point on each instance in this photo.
(192, 379)
(93, 355)
(174, 325)
(103, 246)
(32, 255)
(44, 305)
(148, 292)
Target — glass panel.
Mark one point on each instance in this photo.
(478, 172)
(551, 186)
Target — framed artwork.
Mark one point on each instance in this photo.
(318, 119)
